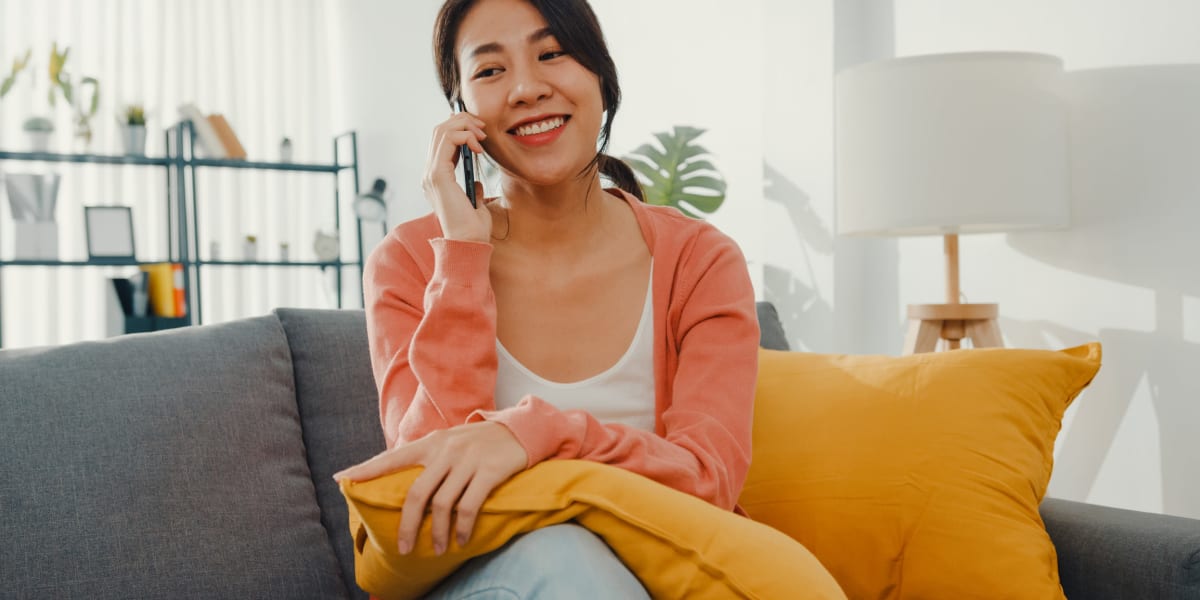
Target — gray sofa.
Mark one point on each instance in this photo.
(197, 463)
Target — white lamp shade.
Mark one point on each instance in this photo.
(952, 143)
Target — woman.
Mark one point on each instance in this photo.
(559, 320)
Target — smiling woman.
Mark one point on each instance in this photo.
(556, 320)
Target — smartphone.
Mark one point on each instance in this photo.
(468, 165)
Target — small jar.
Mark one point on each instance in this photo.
(250, 249)
(285, 150)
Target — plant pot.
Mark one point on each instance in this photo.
(32, 200)
(39, 141)
(134, 139)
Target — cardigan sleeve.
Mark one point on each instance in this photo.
(432, 344)
(705, 446)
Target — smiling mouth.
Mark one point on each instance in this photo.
(540, 126)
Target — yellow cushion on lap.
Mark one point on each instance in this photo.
(916, 476)
(676, 544)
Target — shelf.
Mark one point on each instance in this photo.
(104, 159)
(260, 263)
(268, 166)
(78, 263)
(114, 159)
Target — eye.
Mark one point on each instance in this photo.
(488, 72)
(551, 55)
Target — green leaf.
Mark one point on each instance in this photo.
(708, 204)
(647, 170)
(705, 182)
(94, 105)
(696, 165)
(656, 156)
(678, 173)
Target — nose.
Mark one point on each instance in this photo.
(529, 87)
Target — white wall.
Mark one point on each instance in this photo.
(1125, 272)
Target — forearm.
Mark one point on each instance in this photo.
(435, 358)
(697, 456)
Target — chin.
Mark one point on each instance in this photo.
(545, 174)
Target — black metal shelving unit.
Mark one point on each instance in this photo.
(183, 224)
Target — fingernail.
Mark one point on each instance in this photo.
(462, 540)
(438, 548)
(403, 547)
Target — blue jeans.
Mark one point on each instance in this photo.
(560, 562)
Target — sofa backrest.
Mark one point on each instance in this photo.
(339, 408)
(159, 466)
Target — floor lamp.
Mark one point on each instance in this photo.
(948, 144)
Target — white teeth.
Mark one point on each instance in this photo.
(540, 126)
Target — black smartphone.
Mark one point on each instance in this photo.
(468, 164)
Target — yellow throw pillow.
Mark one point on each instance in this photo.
(917, 476)
(678, 545)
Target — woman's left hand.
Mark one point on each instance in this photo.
(463, 465)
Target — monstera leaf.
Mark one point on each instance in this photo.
(679, 173)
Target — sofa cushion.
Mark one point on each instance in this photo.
(678, 545)
(770, 330)
(339, 404)
(916, 476)
(162, 465)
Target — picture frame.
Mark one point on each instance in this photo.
(109, 231)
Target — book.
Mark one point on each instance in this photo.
(206, 137)
(178, 294)
(229, 139)
(167, 297)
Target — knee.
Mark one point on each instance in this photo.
(574, 562)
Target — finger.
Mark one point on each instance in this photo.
(383, 463)
(413, 511)
(451, 142)
(471, 502)
(443, 505)
(479, 192)
(470, 118)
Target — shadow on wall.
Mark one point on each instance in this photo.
(805, 314)
(1136, 202)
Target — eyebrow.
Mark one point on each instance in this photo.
(493, 47)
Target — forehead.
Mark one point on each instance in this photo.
(507, 23)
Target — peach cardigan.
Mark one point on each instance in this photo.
(431, 321)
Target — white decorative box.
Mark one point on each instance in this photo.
(36, 240)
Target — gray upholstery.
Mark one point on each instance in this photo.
(770, 330)
(159, 466)
(197, 463)
(1111, 553)
(339, 407)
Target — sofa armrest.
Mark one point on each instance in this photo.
(1114, 553)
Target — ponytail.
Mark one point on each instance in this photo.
(620, 174)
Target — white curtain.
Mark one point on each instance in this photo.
(263, 64)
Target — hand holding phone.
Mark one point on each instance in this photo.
(468, 165)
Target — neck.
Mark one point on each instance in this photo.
(563, 215)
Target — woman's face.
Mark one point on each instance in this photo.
(542, 108)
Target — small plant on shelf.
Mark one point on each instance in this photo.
(133, 127)
(135, 114)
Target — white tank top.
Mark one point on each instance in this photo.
(622, 394)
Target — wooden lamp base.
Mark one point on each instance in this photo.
(928, 323)
(953, 322)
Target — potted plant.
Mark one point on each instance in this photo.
(679, 173)
(74, 92)
(39, 130)
(133, 130)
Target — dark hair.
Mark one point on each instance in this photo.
(576, 28)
